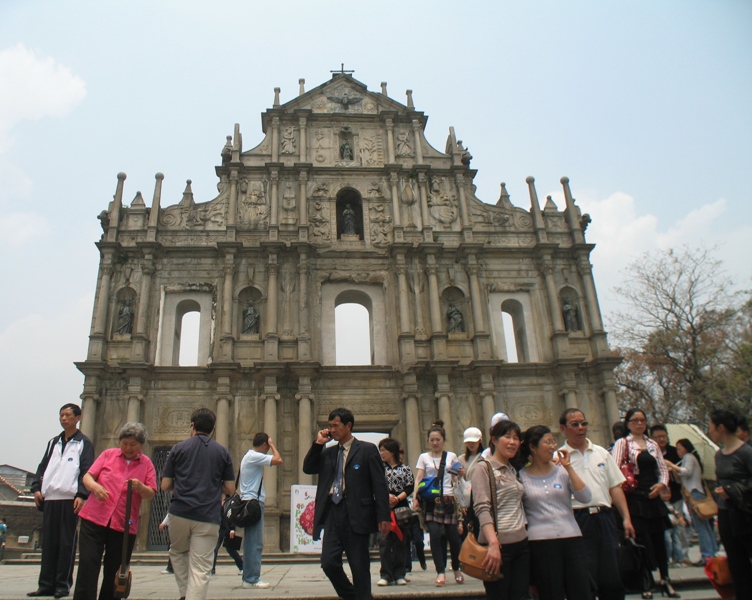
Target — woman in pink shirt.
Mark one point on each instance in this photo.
(103, 516)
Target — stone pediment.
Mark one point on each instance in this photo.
(343, 95)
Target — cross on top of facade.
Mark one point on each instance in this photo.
(342, 70)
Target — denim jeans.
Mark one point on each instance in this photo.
(253, 544)
(673, 544)
(704, 528)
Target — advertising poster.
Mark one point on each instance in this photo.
(303, 503)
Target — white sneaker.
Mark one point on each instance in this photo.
(259, 584)
(166, 572)
(240, 571)
(382, 582)
(402, 581)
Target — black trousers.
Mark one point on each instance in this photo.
(58, 546)
(96, 540)
(413, 533)
(558, 570)
(440, 534)
(234, 554)
(392, 555)
(739, 550)
(600, 537)
(515, 566)
(339, 537)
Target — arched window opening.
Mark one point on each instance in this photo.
(509, 340)
(514, 333)
(352, 322)
(349, 214)
(187, 327)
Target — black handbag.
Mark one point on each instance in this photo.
(634, 567)
(242, 513)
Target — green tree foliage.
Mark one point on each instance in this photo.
(685, 337)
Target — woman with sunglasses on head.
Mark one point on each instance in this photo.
(440, 514)
(556, 548)
(689, 469)
(733, 470)
(504, 532)
(648, 512)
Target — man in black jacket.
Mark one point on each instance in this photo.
(352, 501)
(60, 494)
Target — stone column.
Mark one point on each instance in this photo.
(488, 403)
(396, 212)
(305, 426)
(98, 334)
(560, 336)
(223, 421)
(302, 123)
(271, 338)
(413, 441)
(475, 295)
(406, 337)
(232, 207)
(270, 426)
(226, 340)
(612, 408)
(594, 311)
(570, 398)
(443, 396)
(418, 144)
(425, 216)
(275, 139)
(89, 415)
(140, 347)
(437, 322)
(274, 198)
(135, 398)
(390, 140)
(302, 199)
(151, 234)
(304, 335)
(464, 213)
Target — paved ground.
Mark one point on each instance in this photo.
(290, 581)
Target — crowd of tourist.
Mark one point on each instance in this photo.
(554, 517)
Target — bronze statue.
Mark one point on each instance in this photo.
(125, 319)
(348, 221)
(456, 320)
(346, 151)
(570, 316)
(251, 319)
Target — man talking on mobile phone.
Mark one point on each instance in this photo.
(352, 501)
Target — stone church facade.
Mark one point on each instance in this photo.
(344, 200)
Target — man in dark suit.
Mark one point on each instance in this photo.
(352, 502)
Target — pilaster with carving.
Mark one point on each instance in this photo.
(306, 434)
(272, 338)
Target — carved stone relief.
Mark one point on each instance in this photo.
(287, 145)
(381, 223)
(442, 202)
(404, 145)
(289, 213)
(318, 218)
(253, 211)
(170, 419)
(206, 216)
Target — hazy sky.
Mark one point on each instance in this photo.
(645, 106)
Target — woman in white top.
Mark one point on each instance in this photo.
(557, 563)
(689, 470)
(440, 514)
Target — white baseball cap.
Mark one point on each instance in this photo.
(499, 417)
(473, 434)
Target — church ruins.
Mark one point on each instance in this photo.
(343, 201)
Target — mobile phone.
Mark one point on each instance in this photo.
(328, 434)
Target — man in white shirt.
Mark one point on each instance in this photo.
(596, 519)
(252, 486)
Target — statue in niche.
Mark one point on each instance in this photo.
(569, 310)
(125, 319)
(456, 320)
(346, 151)
(251, 318)
(403, 144)
(348, 221)
(288, 140)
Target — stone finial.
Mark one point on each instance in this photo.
(276, 97)
(504, 197)
(410, 99)
(227, 150)
(383, 88)
(187, 194)
(138, 201)
(301, 82)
